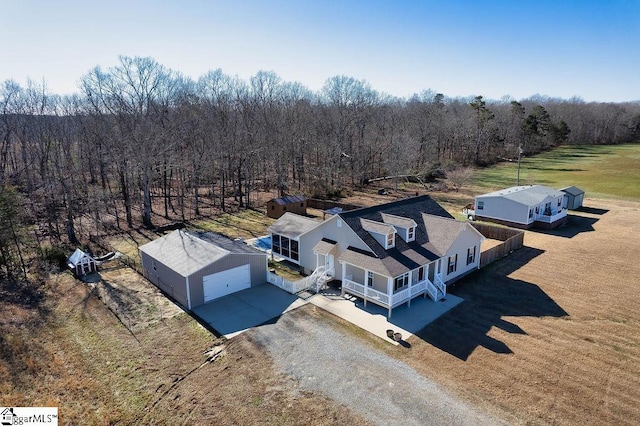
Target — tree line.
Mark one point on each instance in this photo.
(139, 140)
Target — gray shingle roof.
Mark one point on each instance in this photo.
(377, 227)
(573, 190)
(325, 246)
(288, 199)
(404, 256)
(401, 222)
(442, 232)
(292, 225)
(528, 195)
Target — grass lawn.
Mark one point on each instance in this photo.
(603, 171)
(245, 224)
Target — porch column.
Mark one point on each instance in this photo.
(344, 277)
(410, 282)
(389, 293)
(317, 260)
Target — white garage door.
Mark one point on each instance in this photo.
(226, 282)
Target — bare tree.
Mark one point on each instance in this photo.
(459, 176)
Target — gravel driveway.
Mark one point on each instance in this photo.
(381, 389)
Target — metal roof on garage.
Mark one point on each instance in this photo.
(292, 225)
(187, 253)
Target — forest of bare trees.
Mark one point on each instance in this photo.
(140, 141)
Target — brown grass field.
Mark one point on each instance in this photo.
(550, 334)
(547, 335)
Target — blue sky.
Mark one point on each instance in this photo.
(560, 48)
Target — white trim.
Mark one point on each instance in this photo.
(188, 294)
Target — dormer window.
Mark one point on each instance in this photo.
(411, 234)
(405, 226)
(391, 240)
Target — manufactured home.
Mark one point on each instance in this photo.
(523, 207)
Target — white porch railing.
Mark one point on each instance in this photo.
(440, 285)
(294, 287)
(552, 218)
(322, 275)
(389, 300)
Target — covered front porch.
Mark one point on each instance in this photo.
(390, 292)
(551, 218)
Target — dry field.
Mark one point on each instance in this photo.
(550, 334)
(141, 367)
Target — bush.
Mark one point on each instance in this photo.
(56, 256)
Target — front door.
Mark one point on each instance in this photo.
(328, 262)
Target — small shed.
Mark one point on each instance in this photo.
(290, 203)
(195, 268)
(573, 197)
(81, 263)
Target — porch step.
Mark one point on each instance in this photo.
(305, 294)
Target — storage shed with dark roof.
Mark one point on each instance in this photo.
(290, 203)
(573, 197)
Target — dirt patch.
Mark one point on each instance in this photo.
(550, 333)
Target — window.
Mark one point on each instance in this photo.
(559, 202)
(273, 207)
(530, 213)
(284, 208)
(453, 260)
(420, 273)
(471, 255)
(275, 243)
(284, 242)
(401, 281)
(294, 250)
(369, 278)
(480, 205)
(411, 234)
(153, 263)
(301, 204)
(391, 240)
(339, 223)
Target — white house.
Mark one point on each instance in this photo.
(386, 254)
(523, 207)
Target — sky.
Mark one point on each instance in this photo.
(517, 48)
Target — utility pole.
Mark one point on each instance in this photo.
(519, 154)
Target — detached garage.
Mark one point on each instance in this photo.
(196, 268)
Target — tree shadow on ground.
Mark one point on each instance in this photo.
(575, 225)
(489, 296)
